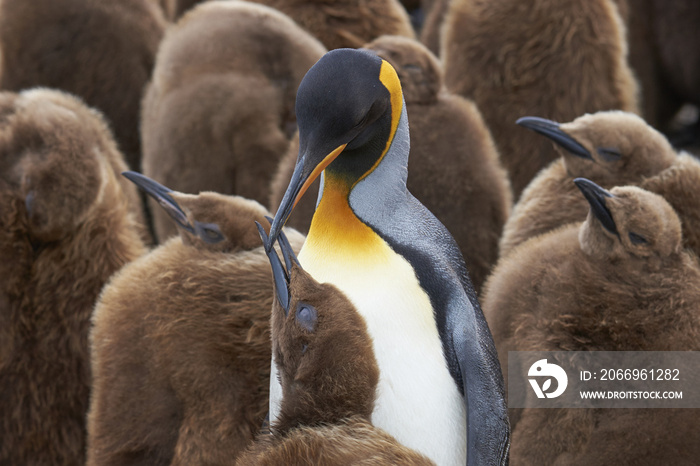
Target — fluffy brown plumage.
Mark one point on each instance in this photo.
(101, 51)
(181, 6)
(642, 437)
(554, 59)
(339, 23)
(680, 186)
(348, 23)
(668, 70)
(585, 288)
(350, 441)
(431, 32)
(93, 130)
(328, 374)
(219, 112)
(645, 159)
(168, 8)
(455, 170)
(66, 227)
(181, 342)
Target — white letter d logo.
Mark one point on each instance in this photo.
(542, 369)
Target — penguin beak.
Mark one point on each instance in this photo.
(596, 196)
(305, 172)
(162, 195)
(279, 276)
(552, 130)
(287, 252)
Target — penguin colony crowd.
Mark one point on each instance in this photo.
(153, 311)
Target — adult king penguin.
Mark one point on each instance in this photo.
(440, 389)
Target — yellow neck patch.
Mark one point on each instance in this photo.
(335, 229)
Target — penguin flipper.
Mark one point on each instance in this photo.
(488, 427)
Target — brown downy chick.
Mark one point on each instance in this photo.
(620, 281)
(181, 342)
(219, 113)
(612, 149)
(93, 128)
(66, 228)
(455, 170)
(603, 274)
(328, 373)
(557, 59)
(101, 51)
(346, 23)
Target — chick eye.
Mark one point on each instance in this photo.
(609, 153)
(636, 239)
(306, 316)
(209, 232)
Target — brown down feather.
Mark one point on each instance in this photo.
(646, 159)
(181, 344)
(219, 112)
(659, 33)
(102, 51)
(339, 23)
(582, 288)
(553, 59)
(431, 32)
(66, 228)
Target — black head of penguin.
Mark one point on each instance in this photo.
(348, 107)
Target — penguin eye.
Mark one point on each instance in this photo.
(209, 232)
(636, 239)
(306, 316)
(609, 154)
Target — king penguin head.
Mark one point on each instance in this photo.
(348, 109)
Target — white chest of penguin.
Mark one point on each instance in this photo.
(417, 399)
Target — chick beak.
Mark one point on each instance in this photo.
(596, 196)
(162, 195)
(279, 275)
(552, 130)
